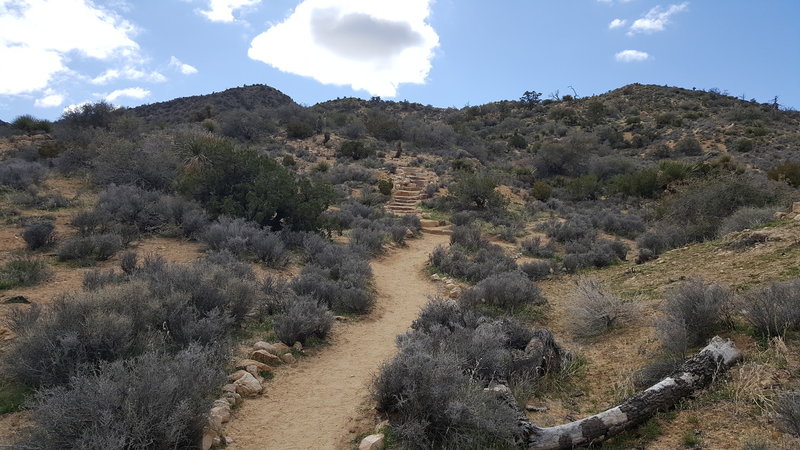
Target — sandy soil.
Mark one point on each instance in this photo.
(322, 401)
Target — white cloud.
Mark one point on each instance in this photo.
(50, 100)
(656, 19)
(368, 45)
(128, 73)
(37, 36)
(631, 56)
(617, 23)
(185, 69)
(135, 92)
(222, 10)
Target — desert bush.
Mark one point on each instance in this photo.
(385, 186)
(788, 172)
(297, 129)
(508, 290)
(745, 218)
(245, 239)
(593, 253)
(575, 228)
(468, 237)
(97, 247)
(539, 270)
(472, 267)
(31, 125)
(128, 262)
(654, 372)
(150, 164)
(303, 318)
(355, 149)
(39, 235)
(97, 279)
(688, 146)
(368, 241)
(535, 247)
(774, 308)
(541, 190)
(341, 288)
(625, 225)
(23, 271)
(788, 409)
(475, 191)
(155, 400)
(692, 313)
(342, 173)
(19, 174)
(594, 309)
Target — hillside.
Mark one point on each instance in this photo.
(248, 246)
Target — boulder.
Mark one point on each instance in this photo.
(265, 357)
(372, 442)
(232, 398)
(281, 348)
(298, 347)
(288, 358)
(409, 233)
(454, 293)
(796, 207)
(229, 388)
(260, 366)
(248, 386)
(221, 413)
(232, 378)
(266, 346)
(209, 435)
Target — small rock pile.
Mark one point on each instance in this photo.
(451, 288)
(246, 381)
(794, 213)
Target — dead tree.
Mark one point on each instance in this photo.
(695, 373)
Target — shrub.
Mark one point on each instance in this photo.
(654, 372)
(97, 279)
(155, 400)
(517, 141)
(30, 124)
(468, 237)
(625, 225)
(788, 409)
(367, 241)
(579, 227)
(692, 312)
(788, 172)
(39, 235)
(472, 267)
(98, 247)
(245, 239)
(297, 129)
(743, 145)
(539, 270)
(354, 149)
(508, 290)
(689, 146)
(23, 272)
(151, 163)
(773, 309)
(385, 186)
(534, 247)
(745, 218)
(475, 191)
(541, 190)
(128, 262)
(303, 318)
(593, 253)
(595, 310)
(19, 174)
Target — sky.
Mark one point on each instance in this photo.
(55, 54)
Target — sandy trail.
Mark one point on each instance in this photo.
(315, 403)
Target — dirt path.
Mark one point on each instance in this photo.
(321, 402)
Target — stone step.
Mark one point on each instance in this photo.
(405, 193)
(405, 200)
(446, 231)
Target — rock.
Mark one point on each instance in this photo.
(797, 218)
(536, 408)
(6, 334)
(298, 347)
(383, 424)
(265, 357)
(779, 215)
(266, 346)
(288, 358)
(232, 398)
(221, 402)
(229, 388)
(409, 233)
(222, 413)
(232, 378)
(281, 348)
(435, 277)
(796, 207)
(243, 363)
(248, 386)
(454, 293)
(340, 318)
(208, 438)
(372, 442)
(252, 370)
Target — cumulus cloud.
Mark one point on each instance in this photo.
(617, 23)
(50, 100)
(656, 19)
(134, 92)
(368, 45)
(222, 10)
(632, 56)
(38, 36)
(128, 73)
(183, 68)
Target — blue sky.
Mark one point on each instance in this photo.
(57, 53)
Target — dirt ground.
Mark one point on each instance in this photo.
(322, 401)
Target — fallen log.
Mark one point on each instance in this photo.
(695, 373)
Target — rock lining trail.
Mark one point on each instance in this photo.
(315, 403)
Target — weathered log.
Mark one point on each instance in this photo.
(695, 373)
